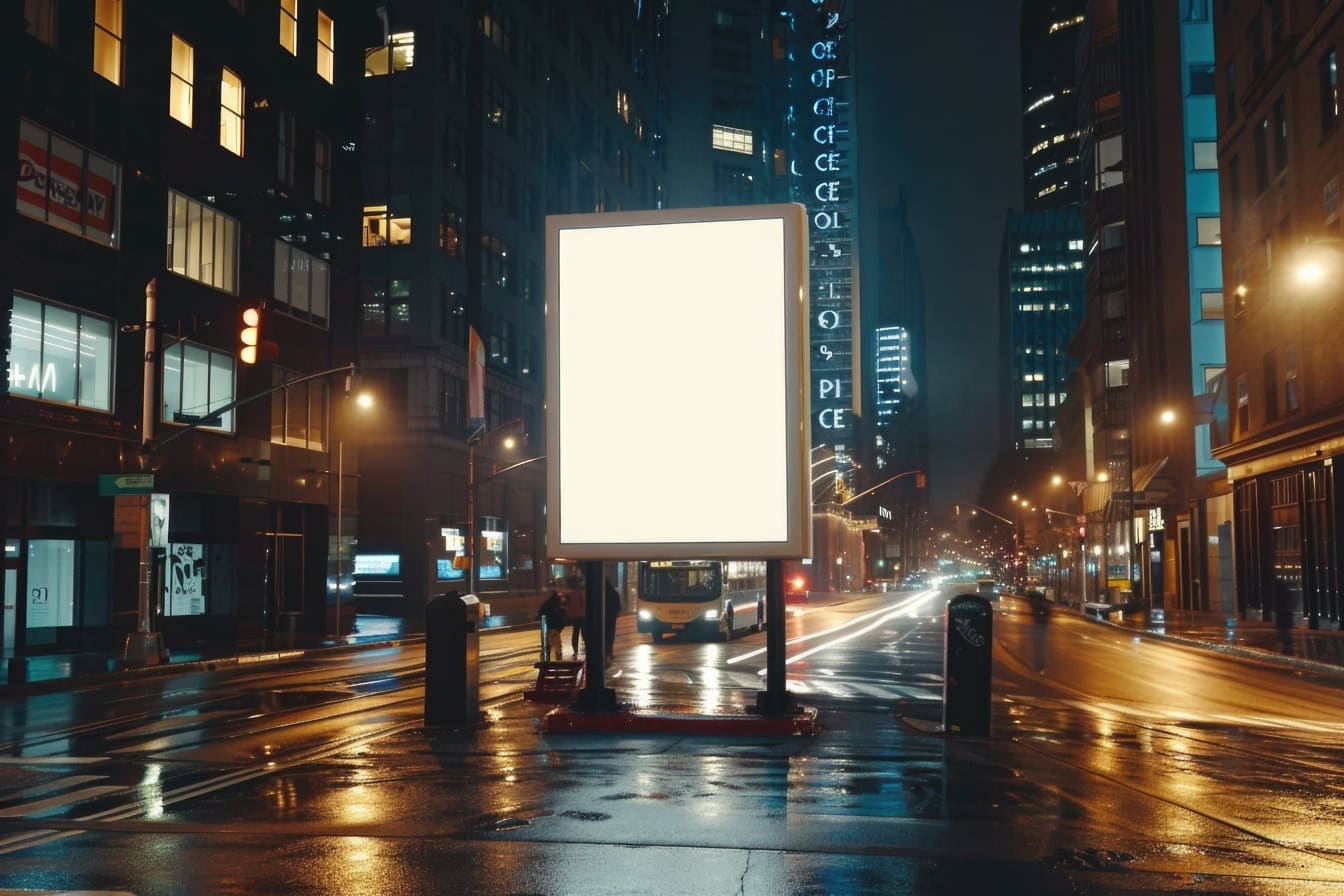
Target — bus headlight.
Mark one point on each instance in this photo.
(711, 615)
(645, 615)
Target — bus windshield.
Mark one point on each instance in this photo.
(685, 582)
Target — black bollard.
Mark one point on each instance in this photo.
(967, 665)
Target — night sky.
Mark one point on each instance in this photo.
(944, 123)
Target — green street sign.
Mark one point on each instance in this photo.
(111, 484)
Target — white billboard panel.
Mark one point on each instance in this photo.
(676, 384)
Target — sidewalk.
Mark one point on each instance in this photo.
(1322, 648)
(55, 671)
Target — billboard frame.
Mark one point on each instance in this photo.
(796, 539)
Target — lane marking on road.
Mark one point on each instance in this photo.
(74, 796)
(55, 784)
(884, 615)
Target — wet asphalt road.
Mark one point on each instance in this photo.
(1117, 764)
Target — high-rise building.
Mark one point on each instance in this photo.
(1173, 250)
(481, 119)
(178, 164)
(1044, 277)
(1049, 39)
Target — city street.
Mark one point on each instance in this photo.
(1118, 763)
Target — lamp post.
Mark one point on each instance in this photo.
(363, 401)
(480, 435)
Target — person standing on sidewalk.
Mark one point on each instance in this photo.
(552, 616)
(612, 606)
(576, 613)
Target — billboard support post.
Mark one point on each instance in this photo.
(775, 699)
(595, 696)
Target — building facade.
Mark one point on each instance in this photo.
(1174, 272)
(175, 166)
(1279, 417)
(1043, 261)
(1049, 40)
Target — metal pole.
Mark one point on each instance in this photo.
(471, 517)
(144, 647)
(774, 700)
(595, 695)
(340, 520)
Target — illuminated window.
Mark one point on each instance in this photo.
(302, 284)
(181, 81)
(298, 412)
(732, 139)
(59, 354)
(231, 112)
(326, 43)
(385, 228)
(66, 185)
(397, 56)
(202, 243)
(1208, 231)
(289, 26)
(623, 105)
(1205, 153)
(107, 39)
(196, 381)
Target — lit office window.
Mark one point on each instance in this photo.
(181, 80)
(1209, 231)
(732, 139)
(302, 284)
(289, 26)
(231, 112)
(202, 243)
(197, 381)
(298, 412)
(107, 39)
(326, 43)
(59, 354)
(397, 55)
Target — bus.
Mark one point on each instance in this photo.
(712, 598)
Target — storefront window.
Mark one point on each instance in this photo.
(59, 354)
(66, 185)
(51, 583)
(184, 580)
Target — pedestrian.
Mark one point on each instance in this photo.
(552, 616)
(612, 608)
(1283, 614)
(576, 614)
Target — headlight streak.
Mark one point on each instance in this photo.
(886, 614)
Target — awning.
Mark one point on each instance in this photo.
(1144, 474)
(1096, 496)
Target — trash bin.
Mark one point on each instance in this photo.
(452, 660)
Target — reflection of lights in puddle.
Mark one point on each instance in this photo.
(151, 788)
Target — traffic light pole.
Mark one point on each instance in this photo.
(144, 647)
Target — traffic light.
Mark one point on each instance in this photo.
(250, 335)
(251, 347)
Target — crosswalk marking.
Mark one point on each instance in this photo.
(56, 784)
(73, 796)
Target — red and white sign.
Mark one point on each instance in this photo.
(65, 185)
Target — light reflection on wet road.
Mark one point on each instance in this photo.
(1115, 761)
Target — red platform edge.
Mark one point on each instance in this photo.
(567, 720)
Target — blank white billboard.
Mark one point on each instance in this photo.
(676, 384)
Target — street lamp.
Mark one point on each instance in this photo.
(364, 402)
(480, 435)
